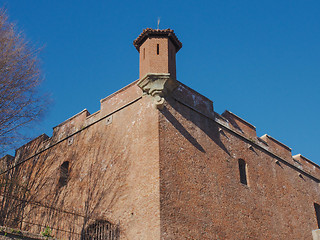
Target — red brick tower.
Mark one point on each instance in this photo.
(157, 50)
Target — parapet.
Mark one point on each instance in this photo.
(30, 148)
(116, 101)
(5, 162)
(306, 164)
(120, 98)
(71, 125)
(107, 105)
(183, 94)
(193, 99)
(240, 125)
(277, 147)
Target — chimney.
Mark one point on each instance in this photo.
(157, 50)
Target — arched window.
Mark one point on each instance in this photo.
(101, 229)
(243, 171)
(64, 174)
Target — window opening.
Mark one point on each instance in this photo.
(101, 229)
(317, 209)
(64, 174)
(243, 171)
(144, 53)
(157, 49)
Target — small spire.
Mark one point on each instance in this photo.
(158, 23)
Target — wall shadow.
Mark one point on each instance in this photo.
(32, 199)
(181, 129)
(209, 127)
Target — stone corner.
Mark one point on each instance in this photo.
(158, 86)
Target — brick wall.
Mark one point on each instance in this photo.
(201, 193)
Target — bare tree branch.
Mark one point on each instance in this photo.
(20, 76)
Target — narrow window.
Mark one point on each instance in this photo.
(317, 209)
(64, 174)
(157, 49)
(243, 171)
(144, 53)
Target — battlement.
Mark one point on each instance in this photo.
(270, 144)
(240, 124)
(186, 96)
(120, 98)
(156, 158)
(193, 99)
(306, 164)
(277, 147)
(70, 125)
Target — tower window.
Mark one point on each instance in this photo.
(317, 209)
(243, 171)
(64, 174)
(144, 53)
(157, 49)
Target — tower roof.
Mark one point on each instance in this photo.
(149, 32)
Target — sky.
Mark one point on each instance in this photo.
(257, 59)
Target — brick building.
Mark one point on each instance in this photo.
(156, 162)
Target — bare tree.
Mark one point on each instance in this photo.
(20, 103)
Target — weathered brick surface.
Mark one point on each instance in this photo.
(278, 148)
(114, 175)
(240, 125)
(169, 172)
(306, 164)
(201, 193)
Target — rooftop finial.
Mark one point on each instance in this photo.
(158, 23)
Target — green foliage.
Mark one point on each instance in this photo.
(5, 231)
(47, 232)
(15, 231)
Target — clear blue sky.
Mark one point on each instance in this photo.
(258, 59)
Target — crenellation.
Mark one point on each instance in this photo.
(240, 125)
(221, 120)
(307, 165)
(31, 148)
(92, 118)
(193, 99)
(178, 171)
(278, 148)
(70, 125)
(120, 99)
(262, 141)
